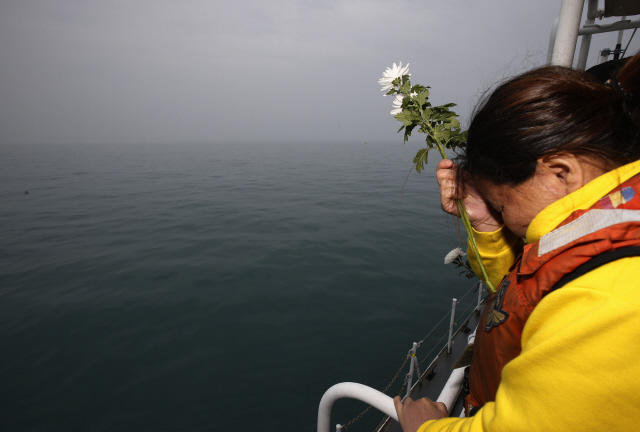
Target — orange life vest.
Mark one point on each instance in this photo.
(608, 228)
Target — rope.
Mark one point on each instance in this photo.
(625, 48)
(362, 414)
(446, 333)
(464, 313)
(473, 289)
(434, 328)
(436, 345)
(395, 378)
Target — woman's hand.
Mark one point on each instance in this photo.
(482, 216)
(412, 414)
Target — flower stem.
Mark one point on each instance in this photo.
(461, 208)
(467, 226)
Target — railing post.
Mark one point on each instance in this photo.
(410, 378)
(415, 359)
(413, 365)
(451, 323)
(480, 289)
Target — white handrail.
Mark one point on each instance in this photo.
(452, 388)
(353, 390)
(379, 400)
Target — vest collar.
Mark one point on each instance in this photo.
(612, 219)
(582, 199)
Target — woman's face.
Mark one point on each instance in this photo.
(556, 176)
(518, 205)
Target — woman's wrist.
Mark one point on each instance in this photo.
(487, 225)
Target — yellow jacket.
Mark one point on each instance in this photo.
(585, 335)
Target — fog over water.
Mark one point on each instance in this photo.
(202, 71)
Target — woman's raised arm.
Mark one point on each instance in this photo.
(482, 216)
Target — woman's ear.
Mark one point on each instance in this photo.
(562, 172)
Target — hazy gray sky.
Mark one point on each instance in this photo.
(194, 70)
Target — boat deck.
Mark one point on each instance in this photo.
(434, 378)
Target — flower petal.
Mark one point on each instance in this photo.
(453, 255)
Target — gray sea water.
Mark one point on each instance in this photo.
(205, 287)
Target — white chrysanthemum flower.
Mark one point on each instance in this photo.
(391, 74)
(397, 104)
(453, 255)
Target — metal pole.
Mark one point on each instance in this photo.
(411, 364)
(552, 40)
(618, 50)
(567, 34)
(480, 289)
(451, 323)
(585, 44)
(607, 28)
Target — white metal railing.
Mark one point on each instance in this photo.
(566, 29)
(357, 391)
(452, 388)
(379, 400)
(384, 403)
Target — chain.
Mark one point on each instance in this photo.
(404, 385)
(389, 419)
(384, 419)
(362, 414)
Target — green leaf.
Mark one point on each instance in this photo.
(421, 159)
(419, 89)
(408, 116)
(422, 97)
(405, 87)
(452, 122)
(407, 131)
(430, 141)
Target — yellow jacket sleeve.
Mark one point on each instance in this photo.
(498, 250)
(579, 368)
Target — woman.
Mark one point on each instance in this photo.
(553, 158)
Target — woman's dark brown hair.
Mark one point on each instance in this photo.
(549, 110)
